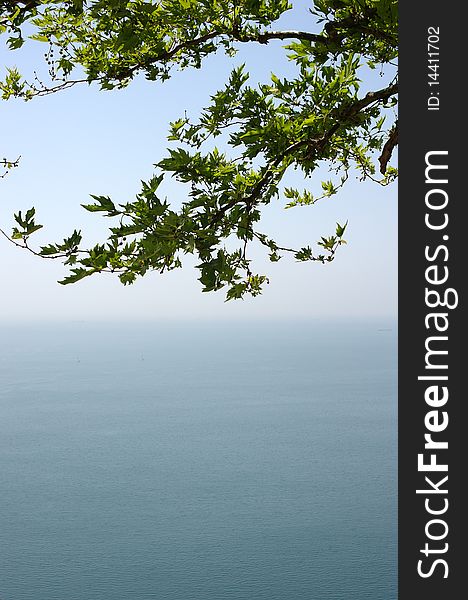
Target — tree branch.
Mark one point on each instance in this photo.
(266, 36)
(7, 165)
(28, 5)
(164, 56)
(388, 149)
(314, 145)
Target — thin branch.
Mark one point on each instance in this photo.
(7, 165)
(168, 54)
(24, 246)
(265, 241)
(45, 91)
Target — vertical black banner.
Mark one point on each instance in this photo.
(432, 315)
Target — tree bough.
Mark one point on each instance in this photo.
(320, 116)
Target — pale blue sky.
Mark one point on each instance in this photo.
(84, 141)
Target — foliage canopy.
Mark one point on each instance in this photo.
(322, 115)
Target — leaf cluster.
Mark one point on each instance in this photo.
(318, 116)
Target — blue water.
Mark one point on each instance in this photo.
(198, 462)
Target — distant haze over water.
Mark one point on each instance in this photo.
(184, 461)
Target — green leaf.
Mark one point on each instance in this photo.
(49, 250)
(78, 274)
(104, 204)
(340, 229)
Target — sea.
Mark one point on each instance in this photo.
(198, 461)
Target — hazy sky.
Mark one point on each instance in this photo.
(84, 141)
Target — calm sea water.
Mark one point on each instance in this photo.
(196, 462)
